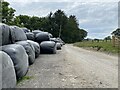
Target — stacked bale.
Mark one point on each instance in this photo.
(22, 51)
(58, 44)
(36, 47)
(42, 36)
(17, 34)
(8, 71)
(16, 52)
(51, 36)
(25, 30)
(48, 47)
(54, 39)
(5, 34)
(19, 37)
(36, 32)
(30, 36)
(19, 57)
(29, 50)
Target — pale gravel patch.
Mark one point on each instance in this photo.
(73, 67)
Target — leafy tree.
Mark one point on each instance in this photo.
(7, 13)
(116, 32)
(59, 20)
(58, 23)
(107, 38)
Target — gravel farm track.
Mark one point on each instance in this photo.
(73, 67)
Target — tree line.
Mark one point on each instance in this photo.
(58, 23)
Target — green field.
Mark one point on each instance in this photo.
(99, 46)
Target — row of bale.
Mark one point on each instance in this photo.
(19, 48)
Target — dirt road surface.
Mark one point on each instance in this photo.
(73, 67)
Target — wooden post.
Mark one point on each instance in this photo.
(113, 41)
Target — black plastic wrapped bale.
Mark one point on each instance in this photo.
(61, 41)
(25, 30)
(29, 50)
(58, 46)
(19, 57)
(54, 39)
(36, 47)
(5, 30)
(36, 32)
(30, 36)
(48, 47)
(44, 36)
(8, 71)
(51, 36)
(17, 34)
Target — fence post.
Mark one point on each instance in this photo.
(113, 41)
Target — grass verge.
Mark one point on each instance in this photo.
(98, 46)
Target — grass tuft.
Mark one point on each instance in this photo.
(24, 78)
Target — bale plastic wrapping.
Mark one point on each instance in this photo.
(36, 47)
(8, 71)
(17, 34)
(54, 39)
(5, 34)
(30, 36)
(19, 57)
(51, 36)
(36, 32)
(58, 46)
(48, 47)
(43, 36)
(25, 30)
(29, 50)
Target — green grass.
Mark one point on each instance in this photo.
(24, 78)
(104, 46)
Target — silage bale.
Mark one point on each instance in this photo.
(25, 30)
(36, 47)
(36, 32)
(19, 57)
(30, 36)
(54, 39)
(29, 50)
(51, 36)
(48, 47)
(8, 71)
(17, 34)
(58, 46)
(61, 41)
(43, 36)
(5, 34)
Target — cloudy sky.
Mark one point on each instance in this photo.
(98, 18)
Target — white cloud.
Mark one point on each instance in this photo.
(27, 1)
(99, 19)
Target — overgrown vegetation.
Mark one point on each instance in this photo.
(99, 46)
(58, 23)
